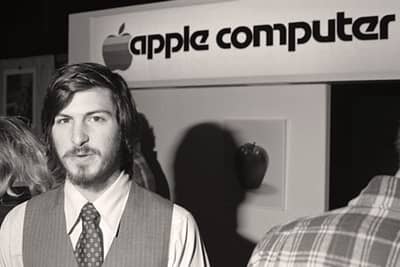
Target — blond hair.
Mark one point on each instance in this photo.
(22, 158)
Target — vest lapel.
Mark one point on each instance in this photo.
(143, 235)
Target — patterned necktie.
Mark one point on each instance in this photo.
(89, 249)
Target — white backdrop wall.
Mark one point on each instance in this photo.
(304, 107)
(263, 83)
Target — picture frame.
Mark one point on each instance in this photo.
(19, 94)
(25, 76)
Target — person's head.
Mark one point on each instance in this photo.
(22, 158)
(89, 124)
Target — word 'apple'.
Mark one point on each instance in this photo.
(252, 163)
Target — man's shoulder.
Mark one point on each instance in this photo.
(181, 212)
(285, 235)
(315, 221)
(17, 213)
(152, 195)
(14, 216)
(183, 219)
(52, 193)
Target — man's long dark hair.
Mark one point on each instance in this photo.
(79, 77)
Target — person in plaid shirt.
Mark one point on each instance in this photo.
(364, 233)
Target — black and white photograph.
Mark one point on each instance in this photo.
(200, 133)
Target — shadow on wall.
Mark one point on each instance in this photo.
(147, 144)
(206, 183)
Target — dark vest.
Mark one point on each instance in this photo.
(142, 239)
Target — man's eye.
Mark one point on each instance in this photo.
(97, 119)
(62, 120)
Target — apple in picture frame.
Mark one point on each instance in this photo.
(116, 53)
(252, 163)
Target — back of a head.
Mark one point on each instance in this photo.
(22, 158)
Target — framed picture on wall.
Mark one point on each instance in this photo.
(23, 83)
(19, 93)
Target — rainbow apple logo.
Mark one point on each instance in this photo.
(116, 53)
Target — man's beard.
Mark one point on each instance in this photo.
(81, 174)
(82, 178)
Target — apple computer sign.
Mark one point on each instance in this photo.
(116, 53)
(118, 50)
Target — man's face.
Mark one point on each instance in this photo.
(86, 136)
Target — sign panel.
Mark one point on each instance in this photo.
(249, 41)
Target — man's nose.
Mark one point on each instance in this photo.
(79, 134)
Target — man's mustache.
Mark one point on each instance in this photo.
(79, 151)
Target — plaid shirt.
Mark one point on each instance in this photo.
(364, 233)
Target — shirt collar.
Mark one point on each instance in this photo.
(110, 204)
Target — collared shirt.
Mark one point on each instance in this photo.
(110, 205)
(364, 233)
(185, 247)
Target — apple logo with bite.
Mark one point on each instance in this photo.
(116, 53)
